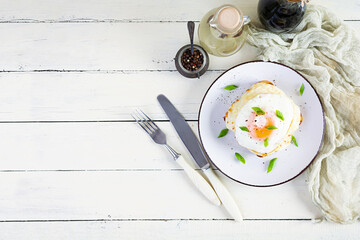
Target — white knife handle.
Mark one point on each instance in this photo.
(224, 195)
(199, 181)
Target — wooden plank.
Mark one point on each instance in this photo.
(177, 229)
(97, 96)
(123, 10)
(86, 147)
(139, 195)
(99, 47)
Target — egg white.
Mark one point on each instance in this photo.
(268, 103)
(264, 87)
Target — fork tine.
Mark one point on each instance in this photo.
(141, 124)
(148, 121)
(144, 123)
(138, 122)
(156, 127)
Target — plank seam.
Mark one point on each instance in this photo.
(90, 20)
(98, 170)
(98, 71)
(152, 220)
(92, 170)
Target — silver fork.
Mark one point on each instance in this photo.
(160, 138)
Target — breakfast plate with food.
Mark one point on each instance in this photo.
(261, 123)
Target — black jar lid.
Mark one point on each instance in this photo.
(195, 73)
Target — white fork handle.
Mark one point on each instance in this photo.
(199, 181)
(224, 195)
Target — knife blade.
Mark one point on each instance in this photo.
(192, 144)
(183, 129)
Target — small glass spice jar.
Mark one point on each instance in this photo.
(191, 65)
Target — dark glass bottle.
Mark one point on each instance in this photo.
(281, 15)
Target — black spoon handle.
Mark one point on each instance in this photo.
(191, 28)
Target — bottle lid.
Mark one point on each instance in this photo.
(229, 18)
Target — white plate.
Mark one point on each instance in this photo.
(290, 161)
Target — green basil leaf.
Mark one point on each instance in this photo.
(266, 142)
(230, 87)
(293, 139)
(271, 127)
(258, 111)
(271, 165)
(223, 132)
(239, 157)
(279, 115)
(244, 129)
(302, 88)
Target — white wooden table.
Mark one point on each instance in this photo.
(73, 163)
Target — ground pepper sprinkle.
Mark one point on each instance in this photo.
(192, 62)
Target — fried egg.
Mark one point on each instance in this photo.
(263, 119)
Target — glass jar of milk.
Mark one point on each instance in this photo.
(222, 31)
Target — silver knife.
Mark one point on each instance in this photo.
(192, 144)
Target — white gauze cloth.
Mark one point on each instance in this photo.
(327, 52)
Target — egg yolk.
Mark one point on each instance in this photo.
(257, 125)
